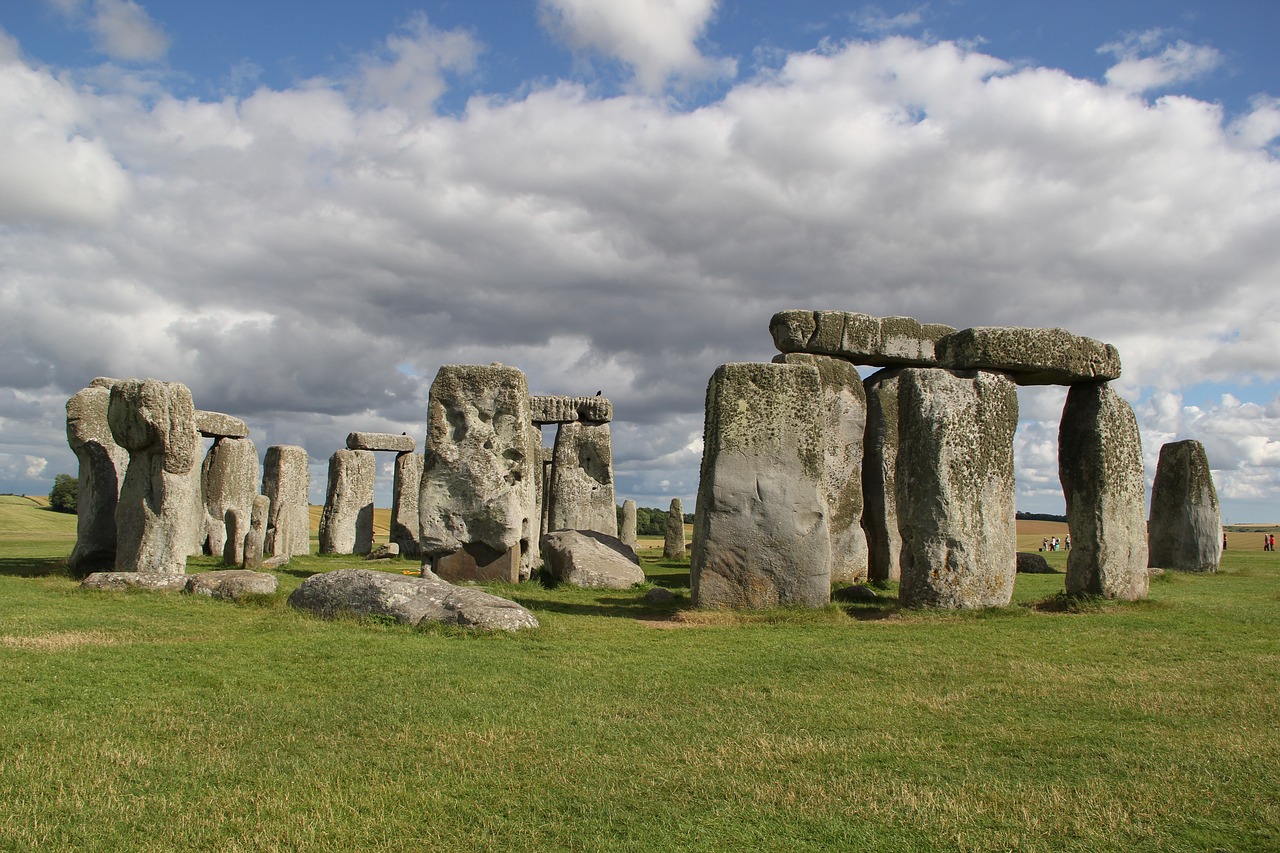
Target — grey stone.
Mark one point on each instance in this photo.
(255, 539)
(1030, 356)
(956, 488)
(155, 422)
(346, 524)
(879, 476)
(588, 558)
(406, 486)
(386, 551)
(229, 479)
(582, 479)
(545, 462)
(408, 600)
(236, 525)
(628, 533)
(760, 528)
(118, 581)
(858, 338)
(218, 425)
(232, 584)
(286, 481)
(855, 593)
(381, 441)
(1034, 564)
(102, 468)
(673, 534)
(1185, 528)
(844, 418)
(545, 409)
(1100, 465)
(531, 522)
(659, 595)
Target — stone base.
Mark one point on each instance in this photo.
(477, 562)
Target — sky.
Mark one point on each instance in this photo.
(302, 209)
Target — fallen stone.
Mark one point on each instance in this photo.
(588, 558)
(1184, 531)
(659, 595)
(879, 476)
(102, 469)
(408, 600)
(384, 552)
(381, 441)
(232, 584)
(760, 530)
(218, 425)
(346, 524)
(548, 409)
(582, 496)
(229, 479)
(858, 338)
(1030, 356)
(855, 593)
(956, 488)
(1034, 564)
(286, 481)
(134, 580)
(1100, 466)
(273, 563)
(406, 487)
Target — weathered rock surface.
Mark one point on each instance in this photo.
(588, 558)
(236, 524)
(346, 525)
(255, 539)
(218, 425)
(479, 460)
(381, 441)
(582, 479)
(549, 409)
(659, 595)
(880, 478)
(1185, 528)
(118, 581)
(628, 532)
(760, 529)
(229, 478)
(1034, 564)
(406, 488)
(408, 600)
(286, 482)
(1030, 356)
(102, 469)
(232, 584)
(673, 535)
(844, 418)
(384, 552)
(858, 338)
(1100, 465)
(956, 488)
(155, 422)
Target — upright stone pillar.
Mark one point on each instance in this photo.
(880, 478)
(956, 487)
(628, 533)
(760, 528)
(346, 525)
(1185, 528)
(230, 480)
(844, 416)
(546, 461)
(155, 422)
(1100, 465)
(256, 538)
(406, 484)
(286, 481)
(582, 479)
(102, 470)
(236, 524)
(673, 535)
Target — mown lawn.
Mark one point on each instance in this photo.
(164, 722)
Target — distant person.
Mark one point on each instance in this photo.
(1044, 544)
(1266, 542)
(1068, 542)
(1224, 541)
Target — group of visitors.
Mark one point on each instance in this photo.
(1053, 543)
(1268, 541)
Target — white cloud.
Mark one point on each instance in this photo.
(656, 38)
(35, 465)
(409, 73)
(873, 19)
(1174, 63)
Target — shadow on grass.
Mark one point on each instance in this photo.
(33, 567)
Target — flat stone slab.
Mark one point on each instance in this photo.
(590, 559)
(859, 338)
(218, 425)
(408, 600)
(134, 580)
(550, 409)
(232, 584)
(1030, 356)
(381, 441)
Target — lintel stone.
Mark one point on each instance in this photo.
(381, 441)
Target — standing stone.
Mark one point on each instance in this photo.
(1100, 465)
(628, 535)
(473, 502)
(1185, 528)
(582, 479)
(200, 520)
(673, 535)
(760, 529)
(531, 524)
(102, 469)
(346, 525)
(880, 478)
(236, 523)
(155, 422)
(406, 483)
(844, 415)
(546, 461)
(256, 538)
(956, 487)
(286, 482)
(229, 478)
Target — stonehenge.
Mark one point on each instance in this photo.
(229, 480)
(406, 483)
(581, 494)
(1185, 528)
(102, 470)
(673, 535)
(346, 524)
(628, 532)
(286, 482)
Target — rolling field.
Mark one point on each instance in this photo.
(144, 721)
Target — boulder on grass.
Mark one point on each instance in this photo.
(1034, 564)
(590, 559)
(408, 600)
(134, 580)
(232, 584)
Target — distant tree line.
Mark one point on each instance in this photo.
(1040, 516)
(63, 496)
(651, 522)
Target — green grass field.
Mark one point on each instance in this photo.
(136, 721)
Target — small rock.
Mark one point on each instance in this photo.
(659, 595)
(1034, 564)
(136, 580)
(384, 552)
(855, 593)
(233, 584)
